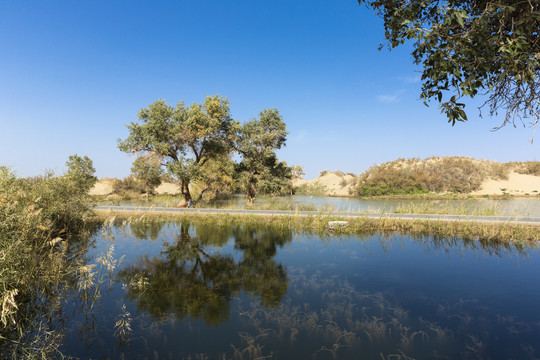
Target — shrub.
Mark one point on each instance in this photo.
(315, 189)
(39, 217)
(322, 173)
(436, 174)
(127, 185)
(525, 167)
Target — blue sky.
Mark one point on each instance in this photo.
(74, 73)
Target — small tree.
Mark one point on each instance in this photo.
(81, 170)
(297, 172)
(256, 143)
(147, 170)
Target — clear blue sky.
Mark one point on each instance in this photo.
(74, 73)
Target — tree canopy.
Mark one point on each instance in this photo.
(81, 171)
(256, 142)
(185, 137)
(469, 48)
(148, 171)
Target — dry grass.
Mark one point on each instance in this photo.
(525, 167)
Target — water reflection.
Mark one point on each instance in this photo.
(191, 279)
(197, 290)
(35, 327)
(146, 230)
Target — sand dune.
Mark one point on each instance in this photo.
(105, 187)
(517, 184)
(335, 183)
(102, 187)
(168, 188)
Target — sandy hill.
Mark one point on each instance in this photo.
(332, 183)
(105, 186)
(516, 184)
(451, 174)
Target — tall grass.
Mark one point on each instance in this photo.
(39, 219)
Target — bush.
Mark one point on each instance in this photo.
(436, 174)
(525, 167)
(315, 189)
(128, 186)
(322, 173)
(38, 218)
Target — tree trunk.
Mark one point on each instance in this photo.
(184, 188)
(250, 192)
(185, 191)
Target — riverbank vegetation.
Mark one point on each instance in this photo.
(41, 219)
(499, 233)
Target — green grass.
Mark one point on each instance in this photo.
(447, 209)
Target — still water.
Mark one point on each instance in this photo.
(186, 291)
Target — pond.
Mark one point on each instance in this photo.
(475, 206)
(201, 291)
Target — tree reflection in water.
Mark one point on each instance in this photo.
(191, 280)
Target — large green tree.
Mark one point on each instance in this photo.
(469, 48)
(257, 142)
(185, 137)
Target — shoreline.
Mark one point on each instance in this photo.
(488, 230)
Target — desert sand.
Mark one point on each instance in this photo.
(517, 184)
(105, 187)
(168, 188)
(333, 181)
(102, 187)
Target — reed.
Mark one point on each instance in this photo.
(488, 233)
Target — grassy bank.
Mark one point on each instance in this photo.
(361, 226)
